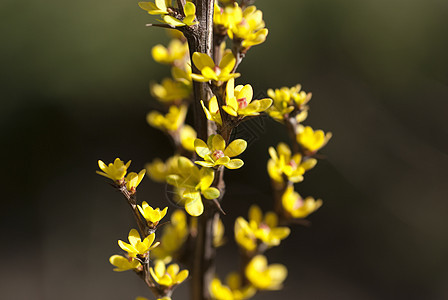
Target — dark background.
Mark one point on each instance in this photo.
(74, 90)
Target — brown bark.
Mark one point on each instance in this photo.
(200, 39)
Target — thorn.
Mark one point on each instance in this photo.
(161, 25)
(219, 206)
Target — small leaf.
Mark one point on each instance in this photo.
(211, 193)
(234, 164)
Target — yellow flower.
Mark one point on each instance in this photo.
(169, 122)
(175, 51)
(288, 99)
(159, 7)
(187, 137)
(244, 235)
(227, 16)
(133, 180)
(173, 237)
(115, 171)
(209, 71)
(151, 215)
(137, 246)
(123, 264)
(312, 140)
(190, 183)
(265, 277)
(259, 228)
(282, 164)
(250, 29)
(233, 290)
(215, 152)
(297, 207)
(182, 74)
(170, 91)
(189, 20)
(158, 170)
(212, 113)
(167, 276)
(239, 101)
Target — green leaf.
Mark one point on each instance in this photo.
(211, 193)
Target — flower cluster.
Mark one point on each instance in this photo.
(168, 277)
(259, 229)
(239, 101)
(297, 207)
(215, 153)
(264, 276)
(283, 165)
(117, 172)
(137, 247)
(233, 290)
(286, 167)
(289, 101)
(245, 27)
(194, 174)
(190, 183)
(172, 121)
(310, 140)
(210, 71)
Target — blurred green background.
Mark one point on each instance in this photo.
(75, 89)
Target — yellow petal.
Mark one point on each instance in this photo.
(208, 115)
(201, 148)
(246, 92)
(255, 214)
(278, 273)
(159, 268)
(126, 247)
(205, 164)
(207, 176)
(230, 110)
(202, 60)
(189, 9)
(149, 240)
(172, 270)
(218, 143)
(227, 63)
(172, 21)
(230, 94)
(208, 72)
(134, 237)
(194, 206)
(200, 78)
(189, 20)
(161, 4)
(234, 164)
(211, 193)
(159, 53)
(181, 276)
(271, 219)
(223, 160)
(264, 104)
(235, 148)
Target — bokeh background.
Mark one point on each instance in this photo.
(75, 89)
